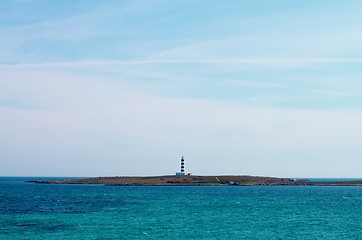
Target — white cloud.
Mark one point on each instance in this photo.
(187, 61)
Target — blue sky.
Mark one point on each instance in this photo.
(91, 88)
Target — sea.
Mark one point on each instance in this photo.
(44, 211)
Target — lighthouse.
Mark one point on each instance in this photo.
(183, 165)
(182, 172)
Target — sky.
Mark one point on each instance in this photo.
(125, 88)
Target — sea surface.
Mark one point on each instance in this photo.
(36, 211)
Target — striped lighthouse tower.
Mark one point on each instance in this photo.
(182, 172)
(183, 165)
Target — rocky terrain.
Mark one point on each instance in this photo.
(192, 180)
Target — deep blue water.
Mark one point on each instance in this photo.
(33, 211)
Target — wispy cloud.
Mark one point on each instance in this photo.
(187, 61)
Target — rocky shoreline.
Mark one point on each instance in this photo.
(192, 180)
(195, 180)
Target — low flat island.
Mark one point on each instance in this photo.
(194, 180)
(170, 180)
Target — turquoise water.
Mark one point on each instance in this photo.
(32, 211)
(332, 179)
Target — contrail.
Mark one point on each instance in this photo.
(186, 61)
